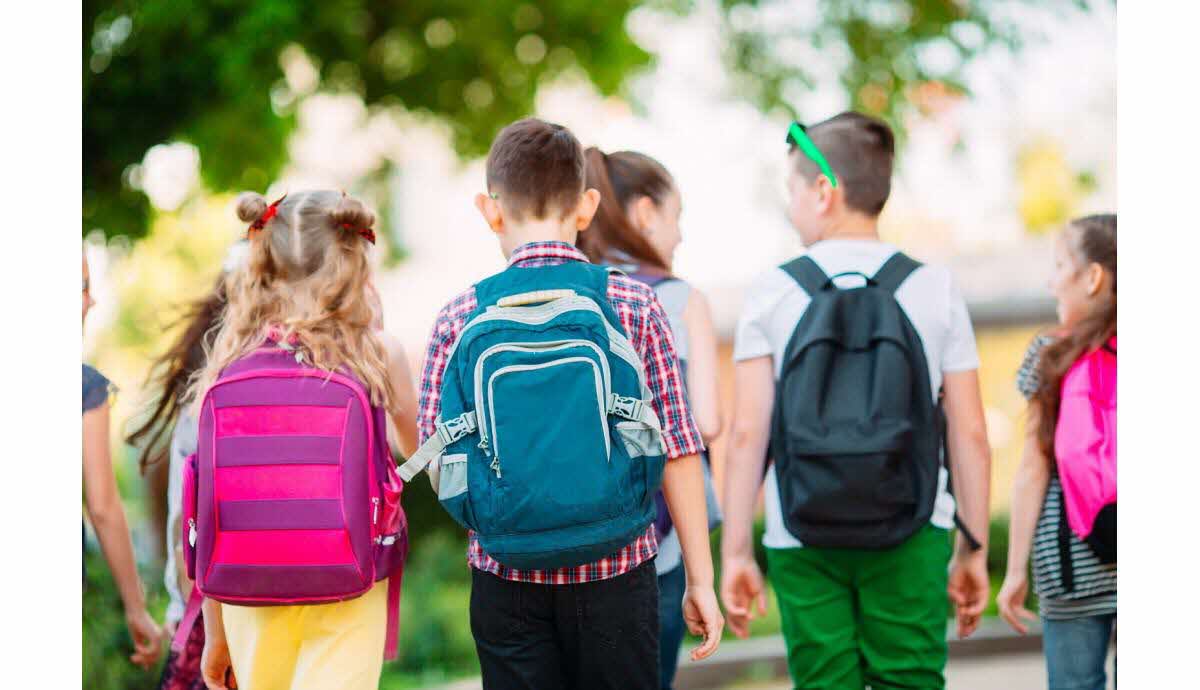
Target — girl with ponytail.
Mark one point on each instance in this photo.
(636, 228)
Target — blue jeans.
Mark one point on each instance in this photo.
(1076, 650)
(670, 621)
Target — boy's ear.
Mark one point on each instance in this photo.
(825, 194)
(490, 209)
(589, 201)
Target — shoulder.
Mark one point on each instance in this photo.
(631, 291)
(456, 311)
(96, 388)
(770, 287)
(1028, 378)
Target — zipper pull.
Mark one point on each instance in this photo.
(375, 511)
(483, 445)
(191, 532)
(496, 466)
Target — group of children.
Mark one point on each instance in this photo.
(562, 413)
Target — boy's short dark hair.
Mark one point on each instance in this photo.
(859, 149)
(535, 168)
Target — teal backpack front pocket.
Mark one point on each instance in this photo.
(551, 462)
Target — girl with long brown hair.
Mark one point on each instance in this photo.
(1078, 613)
(636, 228)
(169, 432)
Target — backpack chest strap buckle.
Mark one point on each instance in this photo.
(453, 429)
(627, 408)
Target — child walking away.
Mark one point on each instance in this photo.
(636, 229)
(842, 357)
(291, 503)
(1064, 504)
(102, 501)
(170, 432)
(550, 401)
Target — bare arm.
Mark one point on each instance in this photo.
(970, 454)
(103, 504)
(683, 489)
(404, 418)
(741, 580)
(1028, 493)
(970, 470)
(703, 397)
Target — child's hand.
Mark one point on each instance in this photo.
(147, 638)
(1011, 601)
(742, 586)
(215, 665)
(969, 590)
(703, 617)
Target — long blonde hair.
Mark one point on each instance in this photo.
(307, 276)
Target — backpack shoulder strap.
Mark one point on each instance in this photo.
(807, 274)
(895, 271)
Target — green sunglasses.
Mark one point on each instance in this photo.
(798, 134)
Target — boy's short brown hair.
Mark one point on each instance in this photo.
(859, 149)
(535, 168)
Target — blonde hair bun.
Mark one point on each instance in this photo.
(251, 206)
(352, 212)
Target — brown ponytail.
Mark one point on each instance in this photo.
(171, 374)
(622, 178)
(1094, 241)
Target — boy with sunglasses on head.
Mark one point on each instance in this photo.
(857, 399)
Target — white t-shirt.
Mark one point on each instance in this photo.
(775, 303)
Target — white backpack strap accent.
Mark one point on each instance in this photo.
(447, 432)
(535, 297)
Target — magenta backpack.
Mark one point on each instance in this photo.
(292, 496)
(1085, 449)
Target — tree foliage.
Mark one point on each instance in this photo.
(208, 72)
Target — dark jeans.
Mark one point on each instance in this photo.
(594, 635)
(1076, 651)
(670, 617)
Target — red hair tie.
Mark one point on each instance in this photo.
(366, 233)
(266, 217)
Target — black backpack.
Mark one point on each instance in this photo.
(855, 434)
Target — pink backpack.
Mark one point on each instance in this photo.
(1085, 449)
(292, 496)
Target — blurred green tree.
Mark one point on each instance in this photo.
(209, 72)
(891, 56)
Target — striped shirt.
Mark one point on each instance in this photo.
(1095, 584)
(644, 321)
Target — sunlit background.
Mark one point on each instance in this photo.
(1006, 113)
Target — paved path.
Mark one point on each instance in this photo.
(1022, 671)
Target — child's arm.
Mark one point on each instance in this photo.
(103, 504)
(703, 396)
(970, 471)
(683, 488)
(1028, 493)
(741, 580)
(683, 477)
(404, 412)
(215, 665)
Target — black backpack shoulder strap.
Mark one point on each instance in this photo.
(895, 271)
(807, 273)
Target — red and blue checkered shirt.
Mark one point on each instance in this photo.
(646, 325)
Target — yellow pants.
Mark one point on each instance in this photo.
(325, 647)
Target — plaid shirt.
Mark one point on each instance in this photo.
(646, 324)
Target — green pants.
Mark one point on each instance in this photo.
(856, 618)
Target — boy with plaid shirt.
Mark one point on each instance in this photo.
(593, 625)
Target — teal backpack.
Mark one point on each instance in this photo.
(549, 448)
